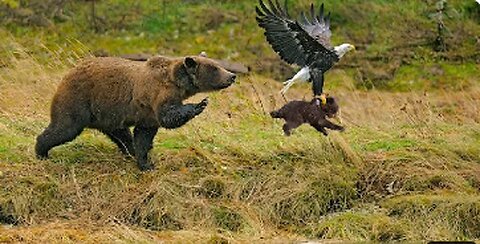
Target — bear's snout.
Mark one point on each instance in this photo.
(229, 80)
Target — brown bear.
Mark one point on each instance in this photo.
(295, 113)
(112, 94)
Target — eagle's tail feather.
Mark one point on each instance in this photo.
(301, 76)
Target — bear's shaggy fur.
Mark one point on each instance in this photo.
(295, 113)
(112, 94)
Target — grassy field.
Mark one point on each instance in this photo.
(406, 168)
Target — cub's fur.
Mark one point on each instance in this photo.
(296, 113)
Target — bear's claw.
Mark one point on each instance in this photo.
(201, 106)
(203, 103)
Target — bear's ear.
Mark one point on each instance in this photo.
(190, 63)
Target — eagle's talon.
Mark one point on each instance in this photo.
(323, 98)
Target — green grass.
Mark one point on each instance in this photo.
(449, 213)
(224, 30)
(437, 76)
(245, 178)
(406, 168)
(361, 226)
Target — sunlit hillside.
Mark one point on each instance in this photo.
(406, 168)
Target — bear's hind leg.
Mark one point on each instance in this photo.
(143, 139)
(56, 134)
(124, 140)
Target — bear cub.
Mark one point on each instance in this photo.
(113, 94)
(296, 113)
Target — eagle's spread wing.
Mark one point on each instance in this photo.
(318, 26)
(291, 40)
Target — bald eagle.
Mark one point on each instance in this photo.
(305, 42)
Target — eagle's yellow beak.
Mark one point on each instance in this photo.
(353, 48)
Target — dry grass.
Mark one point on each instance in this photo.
(81, 232)
(230, 175)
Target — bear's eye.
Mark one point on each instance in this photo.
(213, 70)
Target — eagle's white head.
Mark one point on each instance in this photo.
(344, 48)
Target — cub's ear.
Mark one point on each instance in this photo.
(190, 63)
(330, 100)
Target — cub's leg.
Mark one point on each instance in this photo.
(319, 128)
(289, 126)
(330, 125)
(142, 141)
(57, 133)
(174, 116)
(124, 140)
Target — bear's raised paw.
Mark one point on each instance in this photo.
(201, 106)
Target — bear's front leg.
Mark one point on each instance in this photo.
(143, 140)
(174, 116)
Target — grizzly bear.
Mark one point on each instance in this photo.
(113, 94)
(296, 113)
